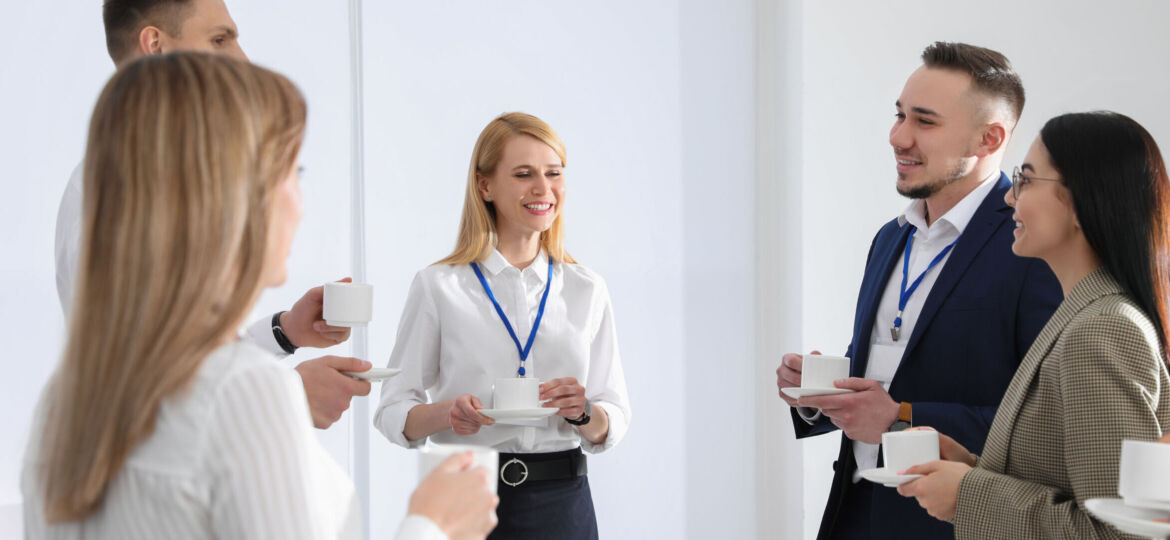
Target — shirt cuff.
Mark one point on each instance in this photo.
(416, 527)
(807, 414)
(617, 429)
(260, 333)
(391, 421)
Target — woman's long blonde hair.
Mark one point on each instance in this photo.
(184, 153)
(477, 227)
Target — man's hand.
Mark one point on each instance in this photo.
(863, 415)
(304, 325)
(457, 498)
(788, 375)
(329, 391)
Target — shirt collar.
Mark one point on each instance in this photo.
(496, 263)
(957, 217)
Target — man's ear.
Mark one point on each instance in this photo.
(992, 139)
(150, 40)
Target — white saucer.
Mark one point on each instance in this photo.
(1139, 521)
(886, 477)
(797, 393)
(374, 374)
(518, 414)
(1146, 503)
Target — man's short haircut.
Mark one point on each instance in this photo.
(124, 19)
(990, 71)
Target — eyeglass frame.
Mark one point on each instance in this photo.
(1018, 174)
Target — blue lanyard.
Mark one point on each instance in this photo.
(896, 331)
(500, 311)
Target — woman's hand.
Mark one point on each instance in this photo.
(564, 394)
(457, 498)
(948, 448)
(465, 417)
(938, 491)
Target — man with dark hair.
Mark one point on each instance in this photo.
(946, 311)
(141, 27)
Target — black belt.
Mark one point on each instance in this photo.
(517, 469)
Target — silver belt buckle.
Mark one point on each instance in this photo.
(523, 472)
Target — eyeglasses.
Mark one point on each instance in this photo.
(1019, 181)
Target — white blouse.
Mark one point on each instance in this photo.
(451, 342)
(234, 456)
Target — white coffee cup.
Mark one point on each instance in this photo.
(820, 370)
(348, 304)
(1144, 480)
(904, 449)
(431, 456)
(516, 393)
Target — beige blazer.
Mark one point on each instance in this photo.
(1093, 377)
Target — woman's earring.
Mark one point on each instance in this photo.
(489, 198)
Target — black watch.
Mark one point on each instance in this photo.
(281, 338)
(584, 418)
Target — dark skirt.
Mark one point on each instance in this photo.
(542, 510)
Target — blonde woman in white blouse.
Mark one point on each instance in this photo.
(160, 422)
(508, 302)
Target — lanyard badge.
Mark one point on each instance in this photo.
(905, 293)
(527, 348)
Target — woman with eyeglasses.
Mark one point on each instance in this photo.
(1092, 200)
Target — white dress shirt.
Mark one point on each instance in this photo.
(234, 456)
(885, 354)
(67, 248)
(451, 342)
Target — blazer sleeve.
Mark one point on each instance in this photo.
(1038, 298)
(1110, 378)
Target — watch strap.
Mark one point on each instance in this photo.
(584, 418)
(281, 338)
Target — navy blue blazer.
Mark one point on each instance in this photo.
(976, 325)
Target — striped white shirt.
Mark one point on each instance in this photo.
(234, 456)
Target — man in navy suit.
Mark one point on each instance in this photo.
(946, 311)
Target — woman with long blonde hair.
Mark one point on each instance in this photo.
(160, 422)
(510, 302)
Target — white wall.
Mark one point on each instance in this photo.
(1072, 56)
(718, 180)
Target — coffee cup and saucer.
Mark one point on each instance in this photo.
(900, 451)
(1144, 485)
(517, 398)
(817, 376)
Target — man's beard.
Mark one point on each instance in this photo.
(930, 188)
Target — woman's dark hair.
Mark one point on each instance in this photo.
(1121, 196)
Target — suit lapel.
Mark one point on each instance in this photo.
(979, 230)
(886, 257)
(1091, 288)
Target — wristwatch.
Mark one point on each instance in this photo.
(281, 337)
(584, 418)
(905, 417)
